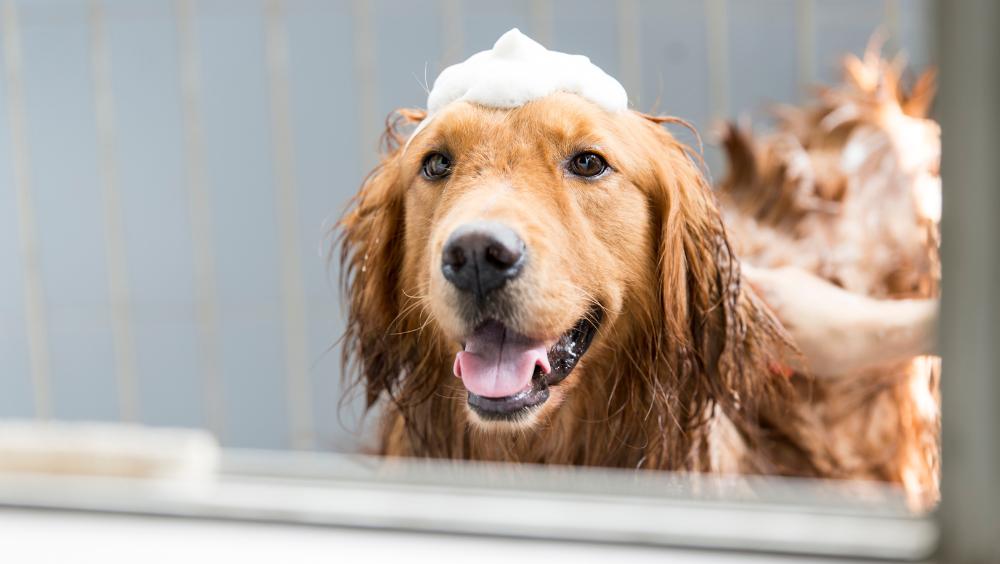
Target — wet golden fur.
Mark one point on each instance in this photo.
(837, 190)
(681, 374)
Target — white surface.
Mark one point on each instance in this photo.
(43, 537)
(542, 503)
(518, 70)
(106, 449)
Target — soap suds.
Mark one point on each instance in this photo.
(518, 70)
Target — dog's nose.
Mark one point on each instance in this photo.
(480, 257)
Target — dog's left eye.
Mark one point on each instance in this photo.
(436, 165)
(588, 165)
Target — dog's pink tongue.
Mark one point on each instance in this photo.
(498, 362)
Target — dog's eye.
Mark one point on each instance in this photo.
(436, 166)
(587, 165)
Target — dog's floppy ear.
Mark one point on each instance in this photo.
(721, 338)
(699, 276)
(371, 256)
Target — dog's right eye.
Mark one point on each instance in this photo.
(588, 165)
(436, 166)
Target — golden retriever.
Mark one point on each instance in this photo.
(554, 283)
(575, 263)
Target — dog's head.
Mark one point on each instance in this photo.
(501, 258)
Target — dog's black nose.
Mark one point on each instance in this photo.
(480, 257)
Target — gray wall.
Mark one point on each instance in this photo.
(168, 171)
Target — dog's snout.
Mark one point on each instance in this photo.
(480, 257)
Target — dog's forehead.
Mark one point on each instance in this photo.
(558, 119)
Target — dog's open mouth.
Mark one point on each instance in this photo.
(508, 374)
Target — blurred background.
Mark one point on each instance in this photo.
(170, 171)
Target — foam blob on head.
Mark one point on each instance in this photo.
(518, 70)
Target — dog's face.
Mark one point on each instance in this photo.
(527, 233)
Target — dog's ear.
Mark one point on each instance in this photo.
(371, 256)
(703, 298)
(722, 339)
(698, 274)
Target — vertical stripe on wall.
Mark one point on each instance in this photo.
(203, 248)
(629, 57)
(286, 206)
(34, 296)
(892, 24)
(364, 69)
(541, 22)
(453, 40)
(717, 48)
(114, 231)
(805, 39)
